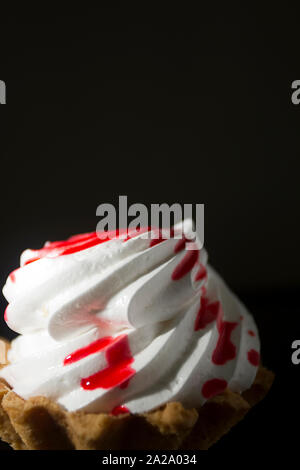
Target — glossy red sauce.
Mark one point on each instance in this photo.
(253, 357)
(92, 348)
(120, 410)
(213, 387)
(225, 350)
(185, 265)
(201, 273)
(207, 313)
(119, 360)
(81, 242)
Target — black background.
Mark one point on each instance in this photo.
(177, 105)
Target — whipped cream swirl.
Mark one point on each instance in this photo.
(126, 324)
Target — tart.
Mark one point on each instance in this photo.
(131, 342)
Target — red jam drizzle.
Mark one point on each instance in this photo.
(225, 350)
(92, 348)
(119, 410)
(203, 290)
(213, 387)
(181, 244)
(118, 371)
(185, 265)
(71, 245)
(207, 313)
(81, 242)
(118, 356)
(253, 357)
(201, 274)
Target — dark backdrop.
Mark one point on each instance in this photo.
(180, 105)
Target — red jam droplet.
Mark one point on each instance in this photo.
(110, 376)
(201, 274)
(251, 333)
(213, 387)
(207, 313)
(253, 357)
(118, 371)
(185, 265)
(92, 348)
(225, 350)
(181, 244)
(119, 410)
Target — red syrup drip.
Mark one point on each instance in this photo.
(181, 244)
(213, 387)
(92, 348)
(81, 242)
(201, 274)
(253, 357)
(251, 333)
(203, 290)
(119, 410)
(72, 245)
(185, 265)
(225, 350)
(118, 357)
(118, 371)
(207, 313)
